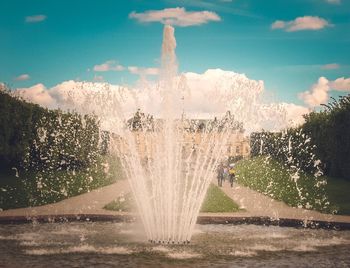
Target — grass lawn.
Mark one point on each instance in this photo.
(215, 201)
(273, 179)
(338, 191)
(124, 203)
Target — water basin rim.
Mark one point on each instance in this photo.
(233, 220)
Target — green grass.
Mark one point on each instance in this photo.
(125, 203)
(215, 201)
(338, 191)
(274, 179)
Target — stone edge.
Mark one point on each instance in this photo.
(234, 220)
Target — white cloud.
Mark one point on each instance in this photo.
(319, 92)
(301, 23)
(143, 71)
(2, 86)
(22, 77)
(37, 94)
(295, 114)
(278, 24)
(176, 16)
(330, 66)
(333, 1)
(204, 95)
(340, 84)
(35, 18)
(110, 65)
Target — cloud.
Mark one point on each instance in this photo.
(35, 18)
(295, 114)
(333, 1)
(110, 65)
(176, 16)
(319, 92)
(330, 66)
(98, 78)
(340, 84)
(301, 24)
(278, 24)
(3, 86)
(22, 77)
(143, 71)
(200, 95)
(37, 94)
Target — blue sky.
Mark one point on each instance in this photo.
(71, 37)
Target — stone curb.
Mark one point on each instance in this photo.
(235, 220)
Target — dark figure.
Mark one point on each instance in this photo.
(220, 175)
(232, 174)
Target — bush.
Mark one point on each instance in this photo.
(330, 132)
(270, 177)
(55, 154)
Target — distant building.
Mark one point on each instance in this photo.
(195, 134)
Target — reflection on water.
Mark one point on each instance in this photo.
(124, 245)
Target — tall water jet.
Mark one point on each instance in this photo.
(168, 166)
(169, 62)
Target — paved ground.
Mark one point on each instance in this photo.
(254, 204)
(257, 204)
(88, 203)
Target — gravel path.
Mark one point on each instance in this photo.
(88, 203)
(257, 204)
(254, 204)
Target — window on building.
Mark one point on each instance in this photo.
(238, 150)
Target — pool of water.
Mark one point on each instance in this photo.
(108, 244)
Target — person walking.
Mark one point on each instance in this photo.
(220, 174)
(232, 175)
(226, 174)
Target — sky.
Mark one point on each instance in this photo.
(299, 48)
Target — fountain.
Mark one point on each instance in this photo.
(170, 176)
(169, 156)
(171, 161)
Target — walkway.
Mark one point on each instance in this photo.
(254, 204)
(259, 205)
(88, 203)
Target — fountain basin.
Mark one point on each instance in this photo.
(102, 244)
(202, 220)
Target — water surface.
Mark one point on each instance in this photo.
(124, 245)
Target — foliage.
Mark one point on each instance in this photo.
(63, 141)
(35, 138)
(270, 177)
(330, 132)
(321, 144)
(47, 155)
(16, 132)
(292, 147)
(141, 121)
(35, 189)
